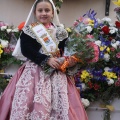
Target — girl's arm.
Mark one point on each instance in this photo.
(30, 49)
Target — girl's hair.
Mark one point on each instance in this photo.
(38, 1)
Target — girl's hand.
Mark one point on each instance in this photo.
(54, 63)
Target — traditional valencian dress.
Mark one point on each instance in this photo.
(33, 94)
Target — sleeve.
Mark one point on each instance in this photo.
(30, 49)
(62, 45)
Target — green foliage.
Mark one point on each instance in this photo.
(3, 82)
(58, 4)
(79, 46)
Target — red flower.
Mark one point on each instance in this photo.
(106, 29)
(20, 27)
(96, 86)
(110, 38)
(117, 24)
(117, 83)
(90, 85)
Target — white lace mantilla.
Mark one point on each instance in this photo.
(39, 96)
(29, 32)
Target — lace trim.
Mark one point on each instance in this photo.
(61, 33)
(29, 32)
(39, 96)
(44, 63)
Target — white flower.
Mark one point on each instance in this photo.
(111, 24)
(113, 41)
(4, 43)
(106, 69)
(83, 86)
(89, 28)
(110, 81)
(98, 42)
(85, 102)
(117, 43)
(106, 19)
(98, 19)
(15, 30)
(113, 30)
(3, 28)
(9, 30)
(106, 57)
(114, 45)
(112, 27)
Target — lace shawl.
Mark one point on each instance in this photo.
(57, 33)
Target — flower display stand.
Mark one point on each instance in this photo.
(95, 112)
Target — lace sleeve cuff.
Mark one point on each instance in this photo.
(44, 63)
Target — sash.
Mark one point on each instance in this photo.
(44, 38)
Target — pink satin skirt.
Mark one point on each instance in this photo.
(34, 95)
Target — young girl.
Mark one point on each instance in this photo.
(33, 94)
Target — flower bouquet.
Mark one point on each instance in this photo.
(101, 81)
(80, 45)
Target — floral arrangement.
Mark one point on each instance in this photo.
(101, 80)
(8, 39)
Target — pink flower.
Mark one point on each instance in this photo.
(81, 19)
(112, 49)
(2, 24)
(7, 50)
(76, 23)
(12, 49)
(96, 51)
(90, 36)
(86, 20)
(118, 55)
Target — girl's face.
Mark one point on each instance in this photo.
(44, 12)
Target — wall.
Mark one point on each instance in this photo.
(73, 9)
(16, 11)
